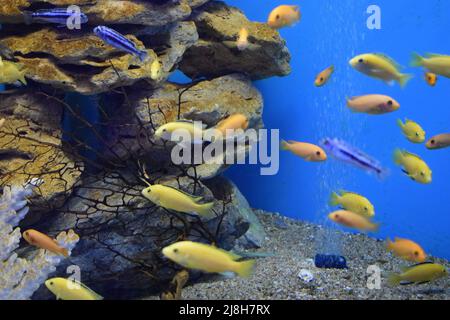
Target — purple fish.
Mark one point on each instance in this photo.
(341, 150)
(58, 15)
(118, 41)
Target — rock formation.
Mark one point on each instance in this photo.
(94, 187)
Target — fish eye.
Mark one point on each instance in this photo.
(390, 102)
(366, 209)
(433, 141)
(51, 283)
(318, 153)
(175, 250)
(321, 79)
(361, 60)
(416, 253)
(27, 233)
(336, 216)
(277, 16)
(422, 174)
(417, 134)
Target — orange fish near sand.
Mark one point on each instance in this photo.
(353, 220)
(40, 240)
(307, 151)
(431, 78)
(324, 76)
(284, 16)
(406, 249)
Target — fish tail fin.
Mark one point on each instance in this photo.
(417, 60)
(383, 173)
(398, 156)
(143, 55)
(400, 123)
(22, 78)
(404, 79)
(284, 145)
(334, 199)
(394, 279)
(65, 252)
(206, 209)
(246, 268)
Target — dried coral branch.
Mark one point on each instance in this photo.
(20, 277)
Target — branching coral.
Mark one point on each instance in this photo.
(20, 277)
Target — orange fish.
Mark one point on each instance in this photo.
(284, 16)
(233, 122)
(40, 240)
(307, 151)
(242, 41)
(324, 76)
(353, 220)
(440, 141)
(406, 249)
(431, 78)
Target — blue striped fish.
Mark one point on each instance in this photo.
(118, 41)
(58, 15)
(343, 151)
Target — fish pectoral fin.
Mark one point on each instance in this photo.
(405, 172)
(228, 274)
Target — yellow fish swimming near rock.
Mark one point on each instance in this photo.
(440, 141)
(380, 66)
(191, 129)
(412, 131)
(434, 63)
(353, 202)
(242, 41)
(284, 16)
(69, 289)
(413, 166)
(324, 76)
(207, 258)
(373, 104)
(11, 72)
(418, 274)
(177, 200)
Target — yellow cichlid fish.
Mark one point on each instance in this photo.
(284, 16)
(412, 131)
(11, 72)
(40, 240)
(381, 67)
(440, 141)
(434, 63)
(174, 199)
(181, 127)
(156, 70)
(406, 249)
(373, 104)
(69, 289)
(323, 77)
(413, 166)
(353, 202)
(353, 220)
(418, 274)
(207, 258)
(242, 41)
(431, 79)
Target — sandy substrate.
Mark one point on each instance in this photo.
(293, 242)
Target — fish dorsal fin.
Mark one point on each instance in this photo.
(389, 59)
(412, 155)
(195, 198)
(189, 121)
(344, 192)
(437, 55)
(420, 264)
(231, 254)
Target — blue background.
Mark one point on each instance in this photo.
(331, 32)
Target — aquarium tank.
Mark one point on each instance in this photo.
(224, 150)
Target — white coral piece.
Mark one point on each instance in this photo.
(20, 278)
